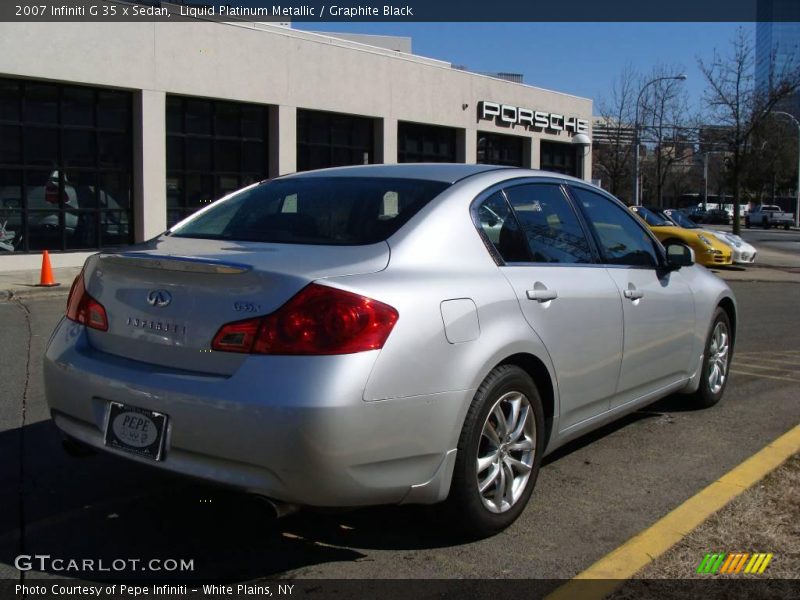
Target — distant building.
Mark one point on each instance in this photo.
(777, 45)
(610, 131)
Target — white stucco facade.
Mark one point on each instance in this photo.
(275, 66)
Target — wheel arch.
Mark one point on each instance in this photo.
(728, 306)
(536, 370)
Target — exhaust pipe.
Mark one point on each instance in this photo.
(280, 509)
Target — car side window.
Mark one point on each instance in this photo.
(495, 219)
(549, 224)
(622, 240)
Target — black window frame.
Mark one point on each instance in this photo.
(503, 139)
(426, 131)
(188, 140)
(98, 129)
(308, 120)
(565, 149)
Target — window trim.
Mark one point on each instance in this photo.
(597, 257)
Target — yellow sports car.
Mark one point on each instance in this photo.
(708, 250)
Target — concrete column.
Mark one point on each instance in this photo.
(386, 144)
(282, 140)
(527, 153)
(536, 153)
(467, 146)
(149, 164)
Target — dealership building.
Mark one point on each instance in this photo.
(110, 133)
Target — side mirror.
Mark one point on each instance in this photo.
(679, 255)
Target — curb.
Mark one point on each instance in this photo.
(610, 572)
(8, 295)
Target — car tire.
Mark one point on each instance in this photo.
(716, 361)
(486, 439)
(747, 223)
(765, 223)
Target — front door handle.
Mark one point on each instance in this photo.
(544, 295)
(633, 294)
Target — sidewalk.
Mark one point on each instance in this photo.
(23, 283)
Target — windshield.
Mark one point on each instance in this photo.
(338, 211)
(681, 219)
(651, 218)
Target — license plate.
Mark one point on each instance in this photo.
(136, 430)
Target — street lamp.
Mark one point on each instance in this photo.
(636, 199)
(797, 206)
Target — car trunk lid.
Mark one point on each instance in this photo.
(166, 300)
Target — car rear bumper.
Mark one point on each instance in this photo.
(295, 429)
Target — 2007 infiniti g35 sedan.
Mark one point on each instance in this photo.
(385, 334)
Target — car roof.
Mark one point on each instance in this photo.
(444, 172)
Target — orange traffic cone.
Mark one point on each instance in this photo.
(46, 279)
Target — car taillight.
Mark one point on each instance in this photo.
(317, 320)
(84, 309)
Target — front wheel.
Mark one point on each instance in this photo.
(499, 453)
(716, 361)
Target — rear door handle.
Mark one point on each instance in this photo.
(542, 295)
(633, 294)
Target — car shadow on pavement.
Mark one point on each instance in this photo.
(104, 507)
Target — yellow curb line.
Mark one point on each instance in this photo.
(621, 564)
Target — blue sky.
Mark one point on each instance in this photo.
(577, 58)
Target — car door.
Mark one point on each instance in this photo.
(658, 306)
(568, 300)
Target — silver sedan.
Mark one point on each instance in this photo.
(385, 334)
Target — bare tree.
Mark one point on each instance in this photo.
(613, 148)
(735, 104)
(770, 164)
(667, 126)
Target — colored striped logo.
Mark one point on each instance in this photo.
(734, 562)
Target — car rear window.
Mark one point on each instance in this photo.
(339, 211)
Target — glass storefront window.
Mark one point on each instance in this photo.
(499, 149)
(333, 140)
(61, 147)
(560, 157)
(425, 143)
(213, 148)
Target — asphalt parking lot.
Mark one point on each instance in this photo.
(591, 496)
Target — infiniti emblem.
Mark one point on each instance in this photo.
(159, 298)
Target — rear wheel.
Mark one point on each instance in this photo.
(716, 361)
(499, 453)
(765, 223)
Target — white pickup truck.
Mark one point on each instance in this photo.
(768, 215)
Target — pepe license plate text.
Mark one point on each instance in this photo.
(136, 430)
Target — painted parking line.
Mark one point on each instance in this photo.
(759, 367)
(764, 376)
(777, 361)
(610, 572)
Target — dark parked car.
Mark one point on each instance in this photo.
(716, 216)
